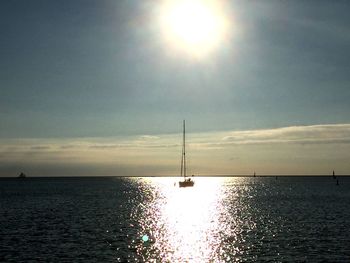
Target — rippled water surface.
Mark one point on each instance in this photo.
(152, 220)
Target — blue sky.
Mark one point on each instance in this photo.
(96, 69)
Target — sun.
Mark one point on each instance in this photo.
(194, 26)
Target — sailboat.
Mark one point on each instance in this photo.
(187, 182)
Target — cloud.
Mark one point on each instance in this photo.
(149, 137)
(69, 146)
(313, 134)
(40, 147)
(106, 146)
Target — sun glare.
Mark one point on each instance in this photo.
(194, 26)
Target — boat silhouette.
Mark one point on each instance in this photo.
(22, 175)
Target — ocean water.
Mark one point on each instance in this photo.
(262, 219)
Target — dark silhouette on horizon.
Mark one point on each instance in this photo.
(22, 175)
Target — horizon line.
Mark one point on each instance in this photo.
(168, 176)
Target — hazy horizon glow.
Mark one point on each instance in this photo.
(300, 150)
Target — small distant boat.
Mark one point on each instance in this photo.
(187, 182)
(22, 175)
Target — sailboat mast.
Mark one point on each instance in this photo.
(182, 161)
(184, 150)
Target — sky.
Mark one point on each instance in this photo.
(101, 88)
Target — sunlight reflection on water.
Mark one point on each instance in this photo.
(184, 224)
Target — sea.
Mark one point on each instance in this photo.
(135, 219)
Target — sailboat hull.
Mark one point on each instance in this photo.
(186, 183)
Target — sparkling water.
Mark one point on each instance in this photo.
(113, 219)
